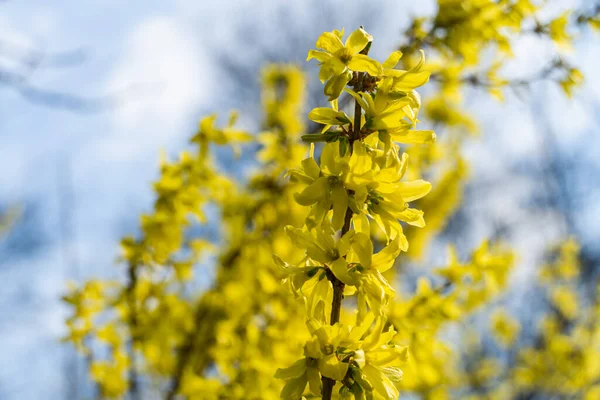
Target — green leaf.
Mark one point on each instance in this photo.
(343, 146)
(320, 137)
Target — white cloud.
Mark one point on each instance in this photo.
(167, 65)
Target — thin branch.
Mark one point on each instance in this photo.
(134, 391)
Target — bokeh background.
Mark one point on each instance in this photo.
(91, 92)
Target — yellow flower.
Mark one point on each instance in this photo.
(299, 374)
(558, 30)
(505, 328)
(338, 59)
(565, 300)
(372, 288)
(406, 80)
(387, 201)
(573, 79)
(322, 248)
(325, 188)
(208, 133)
(328, 117)
(371, 359)
(392, 114)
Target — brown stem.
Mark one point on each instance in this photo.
(134, 392)
(338, 286)
(185, 354)
(336, 307)
(357, 113)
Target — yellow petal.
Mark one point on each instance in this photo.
(361, 223)
(293, 371)
(360, 163)
(328, 116)
(363, 247)
(340, 269)
(331, 161)
(314, 380)
(362, 63)
(412, 136)
(344, 243)
(334, 86)
(325, 72)
(339, 197)
(332, 368)
(385, 259)
(381, 383)
(358, 40)
(311, 168)
(392, 60)
(372, 339)
(294, 388)
(412, 217)
(319, 301)
(414, 190)
(316, 191)
(329, 41)
(312, 348)
(336, 65)
(207, 123)
(363, 104)
(319, 55)
(409, 80)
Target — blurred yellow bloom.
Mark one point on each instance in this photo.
(505, 328)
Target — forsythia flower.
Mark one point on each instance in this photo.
(565, 300)
(207, 133)
(558, 30)
(337, 59)
(368, 362)
(505, 329)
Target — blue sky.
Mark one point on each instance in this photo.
(167, 50)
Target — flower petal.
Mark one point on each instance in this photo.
(412, 136)
(322, 56)
(363, 104)
(328, 116)
(329, 41)
(358, 40)
(335, 86)
(361, 223)
(412, 216)
(339, 197)
(313, 193)
(363, 63)
(340, 269)
(363, 247)
(311, 168)
(414, 190)
(392, 60)
(333, 368)
(295, 370)
(409, 80)
(382, 384)
(294, 388)
(385, 259)
(314, 380)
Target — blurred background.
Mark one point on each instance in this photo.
(90, 93)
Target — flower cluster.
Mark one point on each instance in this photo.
(356, 186)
